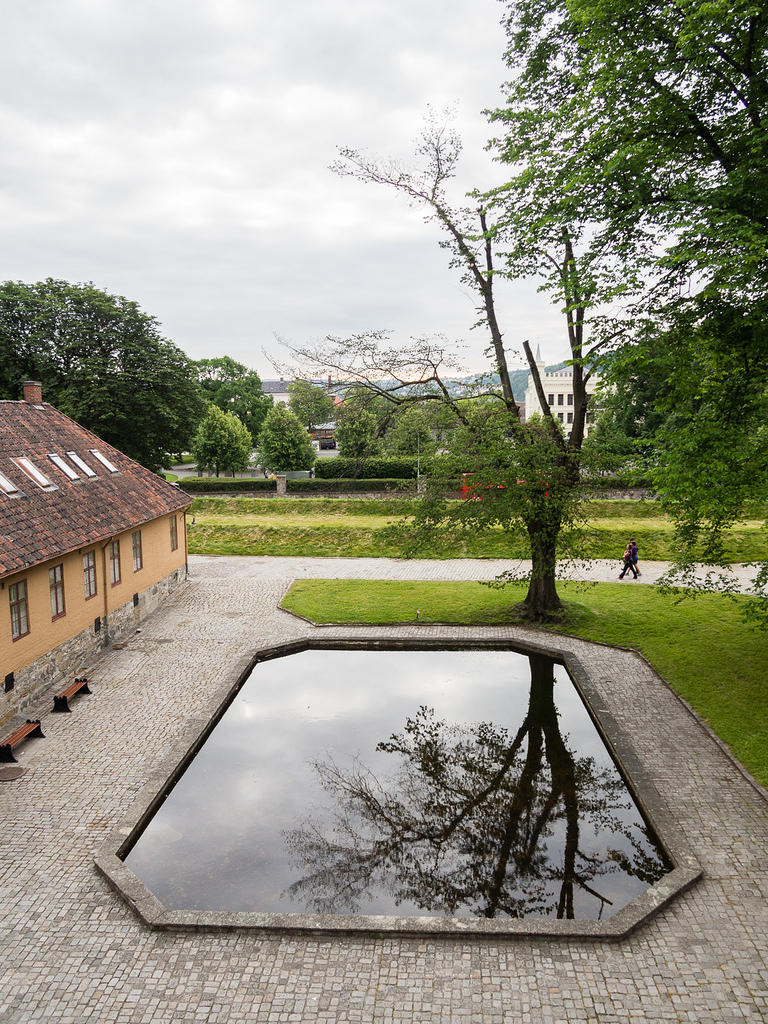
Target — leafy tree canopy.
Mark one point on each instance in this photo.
(411, 433)
(652, 118)
(284, 443)
(102, 361)
(627, 414)
(234, 388)
(310, 403)
(657, 113)
(357, 433)
(222, 442)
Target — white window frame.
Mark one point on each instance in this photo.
(65, 468)
(104, 460)
(74, 457)
(138, 558)
(115, 569)
(90, 581)
(18, 599)
(7, 486)
(34, 474)
(56, 590)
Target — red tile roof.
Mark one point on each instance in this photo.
(39, 524)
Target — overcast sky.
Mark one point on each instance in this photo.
(177, 153)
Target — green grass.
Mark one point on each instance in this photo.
(387, 508)
(328, 527)
(702, 647)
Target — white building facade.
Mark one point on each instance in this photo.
(558, 390)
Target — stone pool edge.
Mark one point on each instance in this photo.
(108, 859)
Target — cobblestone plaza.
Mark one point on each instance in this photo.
(74, 951)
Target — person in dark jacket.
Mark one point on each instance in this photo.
(628, 564)
(633, 548)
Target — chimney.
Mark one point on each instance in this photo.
(33, 391)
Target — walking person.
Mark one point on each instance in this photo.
(633, 548)
(628, 564)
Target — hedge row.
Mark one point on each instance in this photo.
(617, 483)
(349, 485)
(372, 469)
(198, 484)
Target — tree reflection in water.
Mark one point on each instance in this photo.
(474, 820)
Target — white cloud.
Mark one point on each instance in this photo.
(178, 153)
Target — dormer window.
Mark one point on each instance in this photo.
(66, 469)
(74, 457)
(104, 461)
(34, 473)
(6, 486)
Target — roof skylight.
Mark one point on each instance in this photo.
(32, 471)
(74, 457)
(104, 460)
(7, 486)
(64, 467)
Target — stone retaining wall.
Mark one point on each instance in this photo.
(71, 657)
(630, 494)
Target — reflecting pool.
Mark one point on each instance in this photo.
(451, 783)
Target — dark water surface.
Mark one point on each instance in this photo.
(428, 783)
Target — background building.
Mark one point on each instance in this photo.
(278, 389)
(558, 388)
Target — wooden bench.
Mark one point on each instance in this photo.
(30, 728)
(61, 700)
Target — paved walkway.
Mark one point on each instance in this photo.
(72, 951)
(601, 570)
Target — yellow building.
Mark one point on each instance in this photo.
(90, 543)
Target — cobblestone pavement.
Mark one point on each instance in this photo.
(72, 951)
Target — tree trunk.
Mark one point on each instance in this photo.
(542, 601)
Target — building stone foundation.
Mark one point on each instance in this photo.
(72, 656)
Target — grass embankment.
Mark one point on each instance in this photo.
(702, 647)
(328, 527)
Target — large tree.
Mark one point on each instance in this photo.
(411, 433)
(234, 388)
(222, 443)
(310, 403)
(357, 433)
(102, 361)
(283, 443)
(656, 115)
(530, 470)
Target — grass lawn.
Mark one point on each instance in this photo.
(702, 647)
(328, 527)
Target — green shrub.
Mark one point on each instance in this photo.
(402, 468)
(199, 484)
